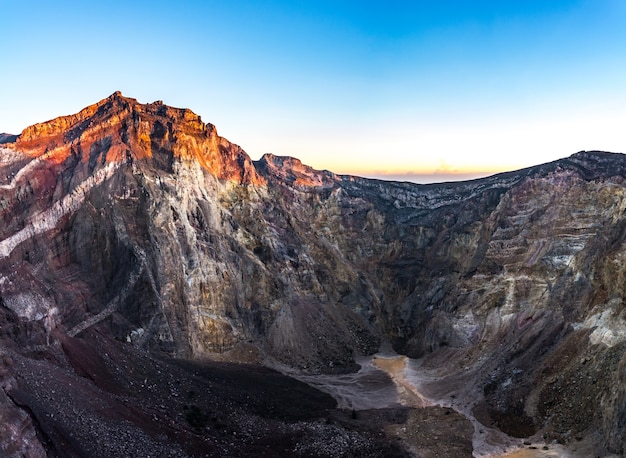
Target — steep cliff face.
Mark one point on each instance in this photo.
(139, 221)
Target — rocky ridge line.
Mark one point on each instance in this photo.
(514, 281)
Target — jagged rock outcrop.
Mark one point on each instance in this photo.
(139, 221)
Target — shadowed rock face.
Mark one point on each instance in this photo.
(140, 222)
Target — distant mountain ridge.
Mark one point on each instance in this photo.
(7, 138)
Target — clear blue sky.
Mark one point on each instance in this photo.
(414, 90)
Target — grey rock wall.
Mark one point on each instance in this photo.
(140, 221)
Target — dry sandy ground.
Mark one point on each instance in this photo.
(95, 397)
(410, 395)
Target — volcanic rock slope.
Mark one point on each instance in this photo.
(138, 222)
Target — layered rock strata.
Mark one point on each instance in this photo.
(139, 221)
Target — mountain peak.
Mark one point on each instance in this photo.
(120, 128)
(43, 137)
(292, 171)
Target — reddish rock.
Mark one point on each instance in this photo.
(136, 226)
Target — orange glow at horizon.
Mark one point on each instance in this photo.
(427, 169)
(428, 150)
